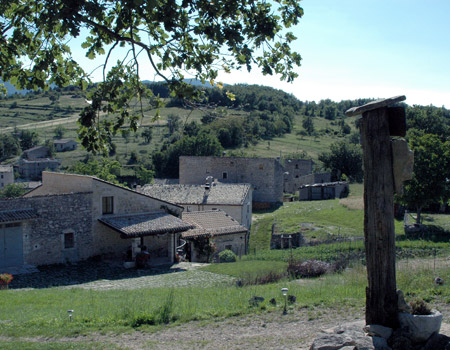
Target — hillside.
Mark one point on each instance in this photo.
(260, 121)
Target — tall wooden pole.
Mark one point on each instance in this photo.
(379, 231)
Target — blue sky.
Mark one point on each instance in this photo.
(370, 48)
(365, 49)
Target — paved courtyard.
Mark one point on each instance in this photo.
(109, 275)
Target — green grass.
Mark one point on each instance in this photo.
(247, 269)
(316, 220)
(44, 312)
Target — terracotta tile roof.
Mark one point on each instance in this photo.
(231, 194)
(138, 225)
(211, 222)
(18, 215)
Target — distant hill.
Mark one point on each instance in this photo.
(11, 89)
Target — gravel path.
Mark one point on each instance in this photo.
(110, 275)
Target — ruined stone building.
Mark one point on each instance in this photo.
(264, 174)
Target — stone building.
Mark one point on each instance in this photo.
(293, 170)
(32, 169)
(217, 228)
(264, 174)
(63, 145)
(6, 175)
(74, 217)
(321, 191)
(234, 199)
(36, 153)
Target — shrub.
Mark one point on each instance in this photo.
(420, 307)
(308, 268)
(227, 256)
(270, 277)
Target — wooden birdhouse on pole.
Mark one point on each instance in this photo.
(379, 123)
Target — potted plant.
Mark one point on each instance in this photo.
(422, 322)
(5, 279)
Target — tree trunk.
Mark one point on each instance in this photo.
(379, 231)
(419, 215)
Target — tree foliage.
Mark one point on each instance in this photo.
(431, 173)
(13, 190)
(343, 159)
(173, 37)
(102, 168)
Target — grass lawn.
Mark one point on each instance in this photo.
(44, 312)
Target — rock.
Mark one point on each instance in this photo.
(273, 301)
(254, 301)
(378, 331)
(380, 343)
(332, 342)
(439, 281)
(403, 306)
(420, 327)
(437, 342)
(349, 336)
(291, 299)
(400, 341)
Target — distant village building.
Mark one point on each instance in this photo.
(310, 179)
(34, 161)
(63, 145)
(32, 169)
(264, 174)
(293, 170)
(6, 175)
(321, 191)
(213, 227)
(36, 153)
(73, 217)
(234, 199)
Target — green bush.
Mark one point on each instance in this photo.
(227, 256)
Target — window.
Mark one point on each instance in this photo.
(224, 175)
(107, 205)
(261, 167)
(228, 247)
(69, 240)
(296, 166)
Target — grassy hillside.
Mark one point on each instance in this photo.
(43, 113)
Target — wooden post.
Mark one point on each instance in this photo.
(379, 231)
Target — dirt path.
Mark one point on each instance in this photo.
(296, 330)
(39, 125)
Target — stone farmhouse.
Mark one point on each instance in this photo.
(293, 170)
(36, 153)
(34, 161)
(269, 177)
(217, 228)
(74, 217)
(233, 199)
(264, 174)
(63, 145)
(6, 175)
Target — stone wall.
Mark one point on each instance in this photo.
(43, 237)
(293, 169)
(265, 174)
(106, 241)
(6, 175)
